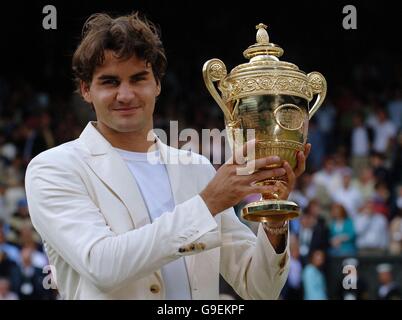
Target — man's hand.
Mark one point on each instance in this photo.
(230, 185)
(283, 189)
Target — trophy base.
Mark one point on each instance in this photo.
(270, 211)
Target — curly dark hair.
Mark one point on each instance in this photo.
(127, 36)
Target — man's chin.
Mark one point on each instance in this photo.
(128, 128)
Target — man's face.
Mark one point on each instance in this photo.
(123, 94)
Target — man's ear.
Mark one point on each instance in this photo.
(158, 89)
(85, 92)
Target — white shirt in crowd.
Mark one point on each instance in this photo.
(350, 198)
(372, 231)
(360, 142)
(330, 181)
(383, 132)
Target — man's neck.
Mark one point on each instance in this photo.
(130, 141)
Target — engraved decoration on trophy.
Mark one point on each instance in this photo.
(272, 98)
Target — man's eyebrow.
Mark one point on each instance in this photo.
(107, 76)
(140, 74)
(135, 75)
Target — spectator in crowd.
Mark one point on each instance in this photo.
(35, 141)
(30, 279)
(395, 228)
(380, 170)
(372, 230)
(3, 208)
(365, 183)
(326, 120)
(314, 283)
(381, 198)
(341, 233)
(388, 289)
(396, 160)
(384, 131)
(293, 289)
(347, 194)
(304, 191)
(15, 191)
(394, 108)
(313, 233)
(315, 137)
(19, 220)
(28, 239)
(328, 178)
(360, 144)
(9, 270)
(9, 249)
(5, 292)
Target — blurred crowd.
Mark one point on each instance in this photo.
(351, 196)
(351, 193)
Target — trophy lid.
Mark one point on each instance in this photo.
(263, 54)
(264, 74)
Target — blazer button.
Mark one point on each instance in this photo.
(155, 288)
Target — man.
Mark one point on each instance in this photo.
(116, 226)
(388, 289)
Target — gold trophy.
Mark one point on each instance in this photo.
(271, 97)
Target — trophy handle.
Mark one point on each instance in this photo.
(319, 85)
(215, 70)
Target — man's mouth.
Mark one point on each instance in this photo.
(126, 109)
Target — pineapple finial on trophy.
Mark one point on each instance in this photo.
(263, 49)
(262, 34)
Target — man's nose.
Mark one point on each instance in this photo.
(125, 93)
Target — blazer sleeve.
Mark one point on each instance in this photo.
(249, 263)
(69, 221)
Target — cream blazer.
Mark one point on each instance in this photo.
(96, 229)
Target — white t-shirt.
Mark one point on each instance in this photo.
(360, 142)
(153, 182)
(382, 133)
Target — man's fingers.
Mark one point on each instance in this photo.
(264, 162)
(307, 149)
(291, 177)
(301, 160)
(254, 165)
(266, 174)
(262, 189)
(301, 164)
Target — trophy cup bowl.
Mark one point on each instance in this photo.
(272, 99)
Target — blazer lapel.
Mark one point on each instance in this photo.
(111, 169)
(170, 159)
(175, 166)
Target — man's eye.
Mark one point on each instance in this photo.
(110, 82)
(139, 79)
